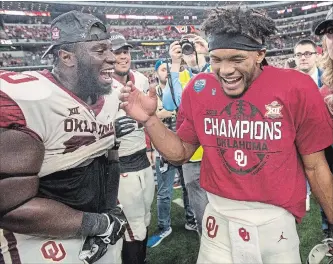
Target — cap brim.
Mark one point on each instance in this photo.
(126, 45)
(320, 29)
(48, 51)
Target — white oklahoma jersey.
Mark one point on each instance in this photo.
(73, 134)
(136, 185)
(136, 140)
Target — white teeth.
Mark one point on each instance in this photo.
(231, 80)
(108, 73)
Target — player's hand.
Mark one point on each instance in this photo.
(93, 249)
(175, 52)
(124, 125)
(117, 226)
(201, 45)
(136, 104)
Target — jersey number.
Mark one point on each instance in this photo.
(76, 142)
(16, 78)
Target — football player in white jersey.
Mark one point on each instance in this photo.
(136, 185)
(58, 164)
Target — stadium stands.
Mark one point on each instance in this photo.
(25, 31)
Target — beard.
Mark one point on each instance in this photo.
(119, 73)
(88, 83)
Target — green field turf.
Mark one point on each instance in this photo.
(182, 246)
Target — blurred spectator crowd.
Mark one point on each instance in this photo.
(29, 59)
(145, 33)
(290, 31)
(27, 33)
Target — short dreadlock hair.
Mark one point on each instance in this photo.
(254, 23)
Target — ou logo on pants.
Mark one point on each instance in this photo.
(211, 226)
(51, 250)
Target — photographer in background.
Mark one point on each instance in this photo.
(191, 49)
(165, 172)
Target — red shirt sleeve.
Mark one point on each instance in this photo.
(180, 118)
(314, 128)
(185, 125)
(12, 117)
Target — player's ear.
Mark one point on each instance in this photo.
(261, 55)
(67, 58)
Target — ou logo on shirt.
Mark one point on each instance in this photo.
(240, 158)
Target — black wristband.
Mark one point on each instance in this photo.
(93, 224)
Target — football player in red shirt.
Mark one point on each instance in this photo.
(263, 130)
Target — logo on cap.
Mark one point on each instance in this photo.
(115, 36)
(55, 33)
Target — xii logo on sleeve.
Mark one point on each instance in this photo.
(273, 110)
(74, 111)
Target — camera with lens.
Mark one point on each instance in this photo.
(188, 47)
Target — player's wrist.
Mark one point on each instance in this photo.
(94, 224)
(106, 235)
(151, 121)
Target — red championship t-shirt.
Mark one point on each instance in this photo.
(252, 143)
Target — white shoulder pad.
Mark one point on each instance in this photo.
(26, 86)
